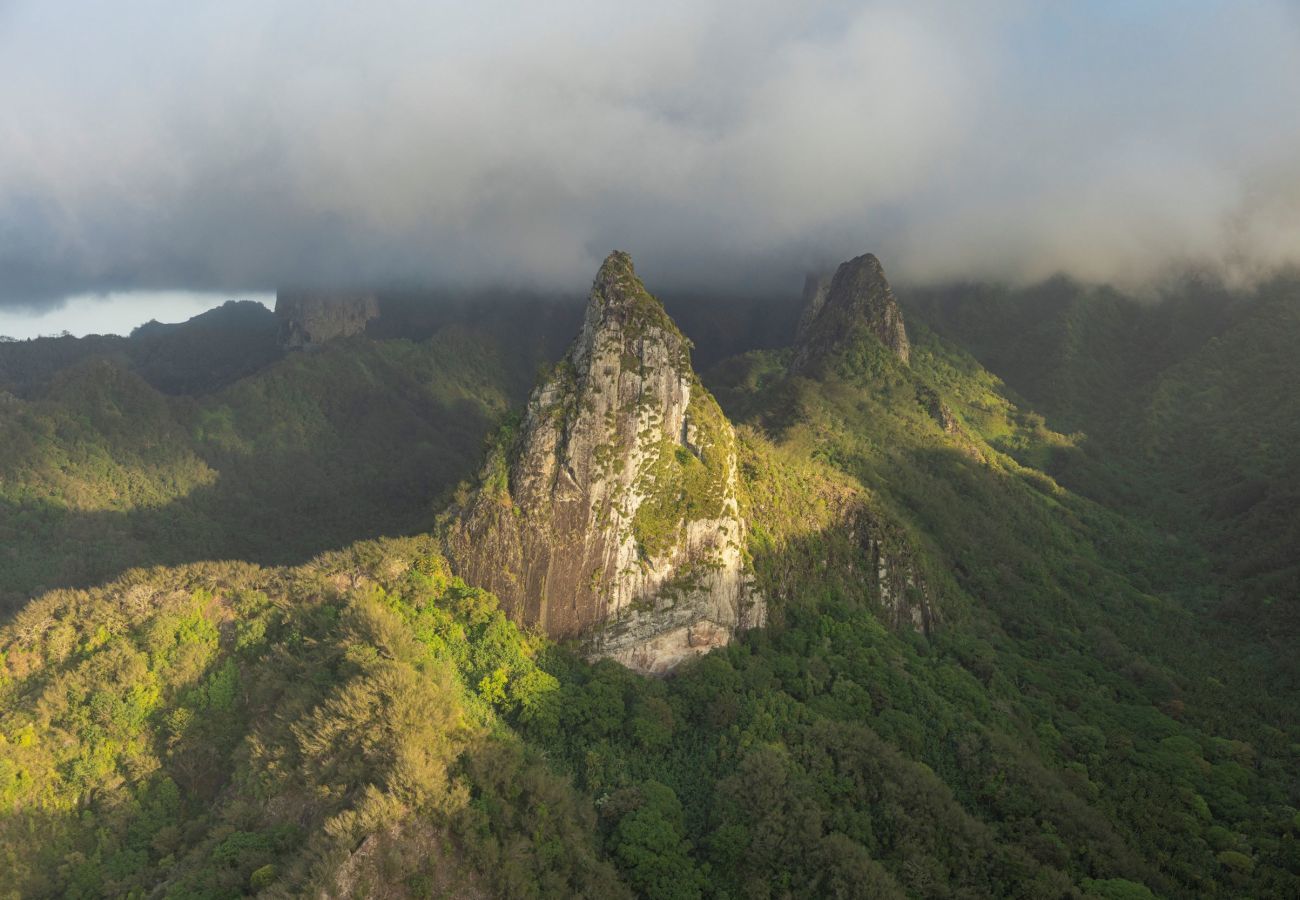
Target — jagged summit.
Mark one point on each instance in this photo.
(614, 516)
(619, 302)
(858, 298)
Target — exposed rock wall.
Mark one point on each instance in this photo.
(859, 297)
(815, 289)
(614, 516)
(865, 553)
(308, 319)
(903, 594)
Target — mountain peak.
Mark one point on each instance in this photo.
(618, 291)
(615, 517)
(858, 298)
(617, 282)
(617, 265)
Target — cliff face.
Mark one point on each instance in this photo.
(815, 288)
(614, 515)
(309, 319)
(859, 298)
(905, 597)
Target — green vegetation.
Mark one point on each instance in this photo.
(1185, 413)
(1072, 727)
(1088, 718)
(220, 729)
(682, 484)
(102, 472)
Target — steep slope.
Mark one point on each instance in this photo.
(1077, 350)
(615, 517)
(1185, 413)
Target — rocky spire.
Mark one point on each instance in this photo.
(859, 298)
(614, 515)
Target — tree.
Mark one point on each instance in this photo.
(651, 848)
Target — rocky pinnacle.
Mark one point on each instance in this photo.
(859, 297)
(613, 517)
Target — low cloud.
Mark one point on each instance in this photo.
(242, 145)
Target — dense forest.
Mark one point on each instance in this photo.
(211, 686)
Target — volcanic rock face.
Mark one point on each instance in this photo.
(859, 297)
(615, 518)
(309, 319)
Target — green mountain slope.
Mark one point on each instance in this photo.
(220, 729)
(1187, 415)
(1065, 617)
(103, 472)
(988, 668)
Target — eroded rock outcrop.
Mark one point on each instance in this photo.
(903, 593)
(308, 319)
(839, 539)
(613, 516)
(858, 299)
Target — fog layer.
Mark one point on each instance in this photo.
(244, 145)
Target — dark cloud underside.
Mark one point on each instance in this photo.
(243, 145)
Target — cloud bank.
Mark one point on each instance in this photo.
(243, 145)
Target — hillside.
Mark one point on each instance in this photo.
(987, 667)
(1186, 415)
(218, 729)
(103, 472)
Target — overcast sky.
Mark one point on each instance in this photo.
(238, 145)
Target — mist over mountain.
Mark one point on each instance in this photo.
(455, 554)
(732, 144)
